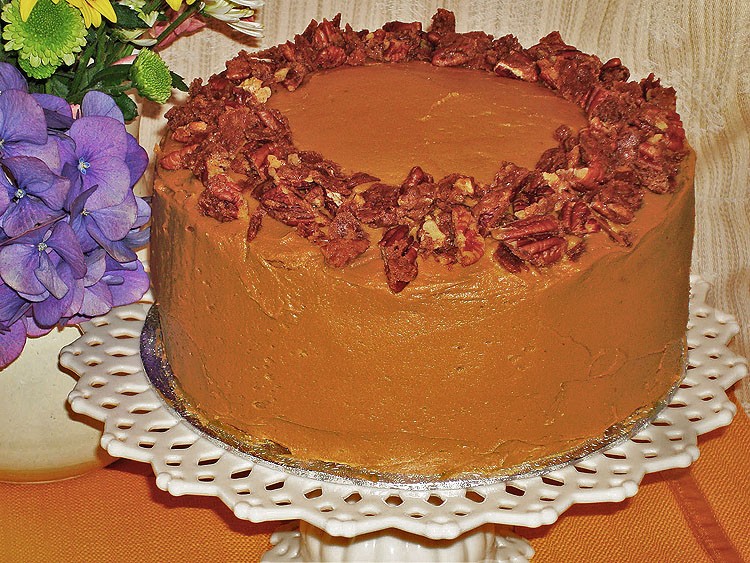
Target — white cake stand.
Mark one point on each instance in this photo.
(342, 521)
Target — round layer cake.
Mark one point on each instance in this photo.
(424, 252)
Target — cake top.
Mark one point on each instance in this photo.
(238, 145)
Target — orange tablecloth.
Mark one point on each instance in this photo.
(699, 514)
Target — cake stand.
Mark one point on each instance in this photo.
(355, 521)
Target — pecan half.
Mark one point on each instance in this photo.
(469, 242)
(542, 252)
(533, 226)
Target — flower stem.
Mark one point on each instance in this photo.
(189, 11)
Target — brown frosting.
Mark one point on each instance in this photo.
(389, 118)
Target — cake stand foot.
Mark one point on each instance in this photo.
(300, 541)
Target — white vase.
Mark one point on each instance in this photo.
(41, 439)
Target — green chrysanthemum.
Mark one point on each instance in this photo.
(151, 76)
(51, 36)
(41, 72)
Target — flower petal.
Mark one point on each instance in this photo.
(17, 265)
(11, 78)
(136, 159)
(135, 284)
(25, 214)
(64, 242)
(12, 342)
(35, 177)
(50, 278)
(116, 221)
(100, 136)
(99, 103)
(56, 110)
(21, 119)
(33, 330)
(97, 300)
(12, 306)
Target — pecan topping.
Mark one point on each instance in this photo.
(400, 257)
(508, 260)
(222, 199)
(530, 227)
(346, 240)
(177, 159)
(594, 179)
(541, 252)
(469, 242)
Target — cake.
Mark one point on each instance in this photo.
(423, 253)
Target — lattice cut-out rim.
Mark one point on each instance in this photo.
(113, 388)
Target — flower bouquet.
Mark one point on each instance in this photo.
(70, 47)
(70, 223)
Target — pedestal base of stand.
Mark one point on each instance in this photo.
(303, 542)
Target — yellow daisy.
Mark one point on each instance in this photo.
(93, 10)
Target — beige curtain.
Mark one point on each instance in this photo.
(698, 47)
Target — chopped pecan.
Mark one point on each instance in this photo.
(533, 226)
(376, 206)
(462, 49)
(254, 224)
(507, 259)
(469, 242)
(285, 204)
(338, 253)
(456, 188)
(614, 71)
(400, 257)
(541, 252)
(436, 235)
(576, 218)
(417, 195)
(330, 57)
(176, 159)
(345, 241)
(517, 64)
(492, 209)
(443, 23)
(193, 132)
(222, 199)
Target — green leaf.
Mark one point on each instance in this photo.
(127, 18)
(110, 76)
(178, 82)
(57, 86)
(127, 106)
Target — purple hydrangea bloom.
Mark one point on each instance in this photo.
(101, 146)
(12, 328)
(102, 221)
(37, 263)
(137, 160)
(32, 194)
(119, 284)
(12, 306)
